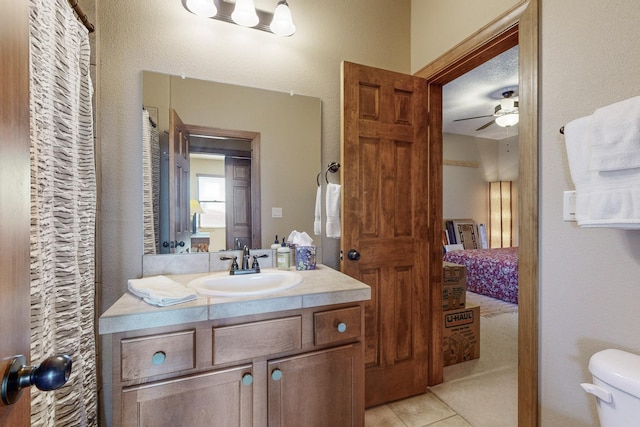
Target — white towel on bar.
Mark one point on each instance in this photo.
(333, 211)
(160, 291)
(603, 199)
(615, 136)
(317, 221)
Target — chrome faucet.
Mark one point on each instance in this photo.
(245, 257)
(235, 269)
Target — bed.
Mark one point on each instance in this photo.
(491, 272)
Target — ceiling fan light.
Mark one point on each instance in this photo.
(507, 120)
(204, 8)
(282, 23)
(245, 13)
(507, 104)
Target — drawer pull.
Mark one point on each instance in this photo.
(276, 374)
(247, 379)
(342, 327)
(158, 357)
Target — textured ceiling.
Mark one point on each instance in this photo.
(477, 93)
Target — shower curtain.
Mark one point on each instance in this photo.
(63, 210)
(151, 180)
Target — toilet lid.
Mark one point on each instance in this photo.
(617, 368)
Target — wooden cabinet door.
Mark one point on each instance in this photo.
(385, 228)
(317, 389)
(215, 399)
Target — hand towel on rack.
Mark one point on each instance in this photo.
(160, 291)
(317, 221)
(333, 211)
(603, 199)
(615, 136)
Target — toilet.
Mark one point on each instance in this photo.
(616, 385)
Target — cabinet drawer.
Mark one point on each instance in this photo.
(157, 354)
(337, 325)
(248, 340)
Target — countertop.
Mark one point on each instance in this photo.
(322, 286)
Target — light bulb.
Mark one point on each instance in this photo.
(204, 8)
(282, 23)
(507, 120)
(245, 13)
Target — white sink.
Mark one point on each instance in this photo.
(266, 282)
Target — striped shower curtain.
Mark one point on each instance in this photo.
(63, 210)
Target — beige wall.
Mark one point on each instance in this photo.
(163, 37)
(465, 192)
(439, 25)
(590, 298)
(589, 293)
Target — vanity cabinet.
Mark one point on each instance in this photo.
(291, 368)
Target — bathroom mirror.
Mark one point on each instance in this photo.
(280, 134)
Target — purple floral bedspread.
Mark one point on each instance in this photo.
(491, 272)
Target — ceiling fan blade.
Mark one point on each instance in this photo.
(486, 125)
(471, 118)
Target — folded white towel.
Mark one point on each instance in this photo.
(333, 211)
(615, 136)
(317, 221)
(160, 290)
(603, 199)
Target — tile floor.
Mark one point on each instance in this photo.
(425, 410)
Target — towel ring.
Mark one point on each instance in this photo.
(333, 168)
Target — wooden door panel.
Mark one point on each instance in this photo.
(179, 184)
(238, 203)
(14, 197)
(385, 203)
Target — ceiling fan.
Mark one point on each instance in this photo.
(505, 114)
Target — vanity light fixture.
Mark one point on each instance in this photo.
(282, 23)
(204, 8)
(244, 13)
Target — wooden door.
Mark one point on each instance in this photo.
(385, 229)
(14, 196)
(318, 389)
(215, 399)
(179, 184)
(238, 202)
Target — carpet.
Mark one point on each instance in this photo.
(484, 391)
(490, 307)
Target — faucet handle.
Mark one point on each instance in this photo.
(255, 264)
(234, 264)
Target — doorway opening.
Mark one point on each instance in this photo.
(518, 26)
(238, 153)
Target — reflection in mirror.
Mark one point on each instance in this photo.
(215, 170)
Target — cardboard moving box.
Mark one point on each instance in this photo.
(454, 285)
(461, 335)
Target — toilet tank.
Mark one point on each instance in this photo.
(616, 384)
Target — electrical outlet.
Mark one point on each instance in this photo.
(569, 206)
(276, 212)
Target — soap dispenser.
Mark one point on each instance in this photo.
(283, 256)
(275, 245)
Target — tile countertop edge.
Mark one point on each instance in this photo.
(323, 286)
